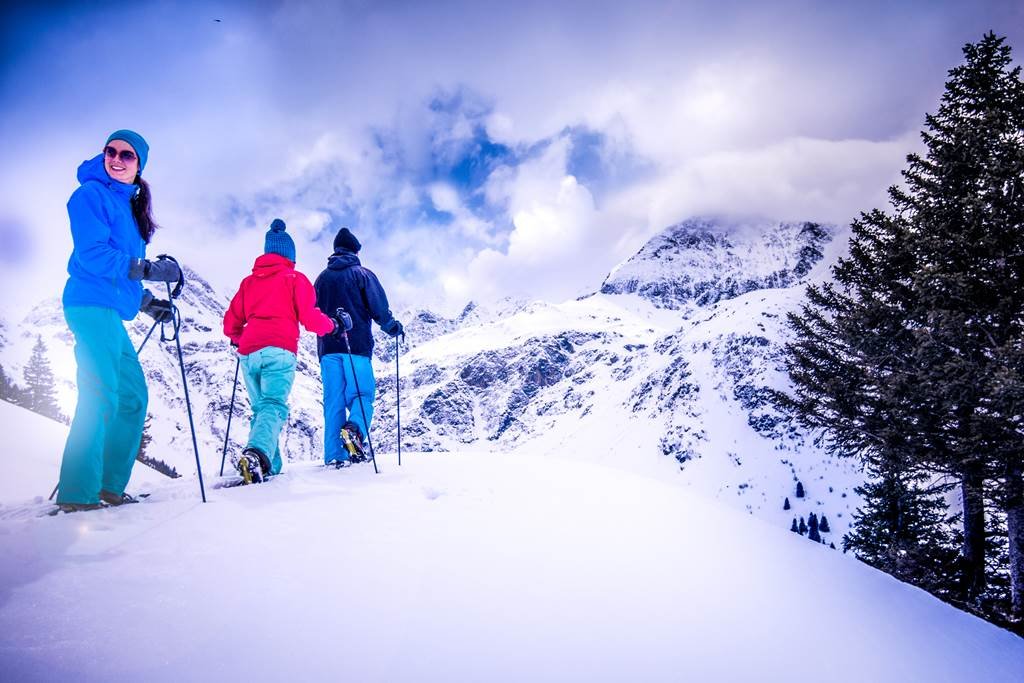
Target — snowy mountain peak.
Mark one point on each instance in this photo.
(705, 260)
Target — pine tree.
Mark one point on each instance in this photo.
(913, 359)
(785, 504)
(795, 529)
(8, 390)
(803, 526)
(799, 489)
(146, 459)
(39, 383)
(904, 529)
(812, 525)
(823, 526)
(1010, 487)
(965, 199)
(146, 439)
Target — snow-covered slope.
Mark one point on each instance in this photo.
(575, 531)
(644, 381)
(461, 567)
(31, 459)
(666, 369)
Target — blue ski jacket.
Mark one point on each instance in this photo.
(106, 239)
(346, 284)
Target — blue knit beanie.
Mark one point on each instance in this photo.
(136, 141)
(278, 241)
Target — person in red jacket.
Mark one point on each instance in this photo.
(263, 322)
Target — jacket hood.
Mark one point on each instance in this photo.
(93, 169)
(271, 264)
(342, 259)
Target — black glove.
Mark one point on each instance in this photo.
(394, 328)
(157, 309)
(342, 321)
(161, 270)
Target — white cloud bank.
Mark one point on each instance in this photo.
(278, 110)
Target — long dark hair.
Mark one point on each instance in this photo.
(142, 209)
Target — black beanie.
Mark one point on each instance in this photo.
(346, 240)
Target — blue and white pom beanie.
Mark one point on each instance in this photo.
(278, 241)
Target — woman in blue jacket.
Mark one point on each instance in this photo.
(111, 224)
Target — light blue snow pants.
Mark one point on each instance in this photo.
(268, 374)
(342, 401)
(107, 427)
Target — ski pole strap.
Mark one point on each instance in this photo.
(175, 315)
(181, 277)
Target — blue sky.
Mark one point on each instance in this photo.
(477, 149)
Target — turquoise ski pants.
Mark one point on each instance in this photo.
(268, 374)
(107, 427)
(341, 400)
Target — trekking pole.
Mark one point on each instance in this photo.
(362, 409)
(148, 335)
(398, 403)
(181, 362)
(231, 411)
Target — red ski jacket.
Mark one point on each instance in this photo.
(269, 306)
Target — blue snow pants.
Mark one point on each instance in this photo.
(269, 374)
(107, 427)
(342, 400)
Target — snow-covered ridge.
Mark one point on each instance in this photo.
(701, 261)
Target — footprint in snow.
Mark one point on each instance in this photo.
(432, 493)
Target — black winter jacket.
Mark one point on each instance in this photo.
(346, 284)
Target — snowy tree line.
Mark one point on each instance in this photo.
(39, 392)
(913, 358)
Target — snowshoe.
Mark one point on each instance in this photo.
(68, 508)
(352, 438)
(111, 498)
(250, 466)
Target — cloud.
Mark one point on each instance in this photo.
(555, 228)
(475, 148)
(796, 178)
(16, 244)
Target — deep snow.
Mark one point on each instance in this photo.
(458, 567)
(31, 464)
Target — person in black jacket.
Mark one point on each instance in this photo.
(345, 284)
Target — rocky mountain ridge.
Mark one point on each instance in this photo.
(701, 261)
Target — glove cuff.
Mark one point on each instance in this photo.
(138, 269)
